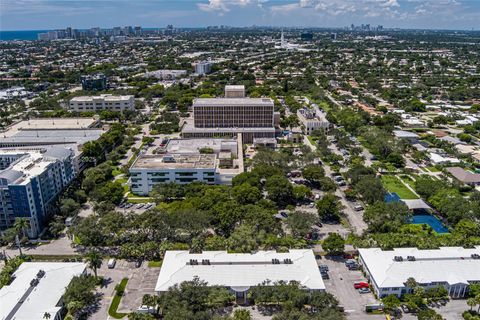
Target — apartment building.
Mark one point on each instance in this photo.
(102, 102)
(228, 116)
(203, 67)
(182, 161)
(454, 268)
(238, 272)
(312, 119)
(37, 289)
(29, 186)
(94, 82)
(39, 135)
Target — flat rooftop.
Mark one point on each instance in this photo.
(230, 102)
(49, 123)
(106, 97)
(450, 264)
(240, 271)
(193, 145)
(20, 302)
(46, 137)
(180, 161)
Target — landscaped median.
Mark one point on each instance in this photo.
(393, 184)
(119, 291)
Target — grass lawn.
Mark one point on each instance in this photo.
(154, 264)
(433, 169)
(116, 171)
(112, 311)
(312, 141)
(392, 184)
(56, 258)
(137, 199)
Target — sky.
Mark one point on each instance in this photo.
(56, 14)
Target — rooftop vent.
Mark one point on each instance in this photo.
(398, 258)
(287, 261)
(410, 258)
(275, 261)
(40, 274)
(475, 256)
(193, 262)
(34, 282)
(205, 262)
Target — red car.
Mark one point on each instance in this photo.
(358, 285)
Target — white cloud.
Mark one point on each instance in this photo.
(222, 6)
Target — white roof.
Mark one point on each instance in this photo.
(447, 264)
(240, 270)
(405, 134)
(45, 296)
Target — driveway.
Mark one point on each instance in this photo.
(141, 281)
(60, 246)
(340, 285)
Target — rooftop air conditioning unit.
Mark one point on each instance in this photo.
(398, 258)
(410, 258)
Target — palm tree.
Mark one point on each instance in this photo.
(20, 225)
(411, 283)
(471, 303)
(94, 259)
(46, 315)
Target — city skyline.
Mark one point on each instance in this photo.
(410, 14)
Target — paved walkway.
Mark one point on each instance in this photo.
(61, 246)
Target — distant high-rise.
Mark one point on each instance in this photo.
(333, 36)
(203, 67)
(94, 82)
(138, 30)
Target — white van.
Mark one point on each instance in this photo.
(111, 263)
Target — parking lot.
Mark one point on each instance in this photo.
(141, 281)
(341, 283)
(134, 207)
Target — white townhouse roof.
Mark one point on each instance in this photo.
(447, 264)
(240, 271)
(20, 303)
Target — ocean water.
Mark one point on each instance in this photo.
(20, 35)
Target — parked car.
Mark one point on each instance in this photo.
(111, 263)
(357, 207)
(284, 214)
(341, 183)
(138, 263)
(323, 267)
(319, 224)
(364, 290)
(358, 285)
(140, 205)
(324, 275)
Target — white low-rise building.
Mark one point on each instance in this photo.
(37, 289)
(182, 161)
(313, 119)
(102, 102)
(240, 271)
(454, 268)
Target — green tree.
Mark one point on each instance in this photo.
(246, 194)
(300, 223)
(242, 314)
(279, 189)
(329, 207)
(333, 244)
(94, 260)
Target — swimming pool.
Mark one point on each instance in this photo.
(391, 197)
(433, 222)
